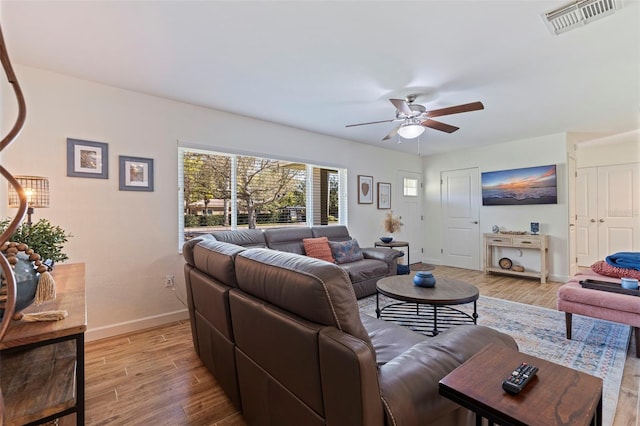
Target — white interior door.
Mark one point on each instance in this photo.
(586, 214)
(460, 201)
(607, 211)
(573, 246)
(618, 209)
(410, 212)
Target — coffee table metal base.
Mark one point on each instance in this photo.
(424, 318)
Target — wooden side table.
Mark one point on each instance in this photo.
(41, 369)
(394, 244)
(556, 396)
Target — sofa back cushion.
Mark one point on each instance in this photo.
(188, 246)
(332, 232)
(217, 259)
(242, 237)
(311, 289)
(287, 239)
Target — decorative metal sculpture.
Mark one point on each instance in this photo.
(22, 209)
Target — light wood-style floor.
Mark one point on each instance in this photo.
(155, 377)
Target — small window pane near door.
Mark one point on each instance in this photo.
(410, 187)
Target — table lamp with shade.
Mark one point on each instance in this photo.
(37, 190)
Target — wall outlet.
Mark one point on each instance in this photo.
(169, 281)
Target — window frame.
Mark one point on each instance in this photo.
(309, 204)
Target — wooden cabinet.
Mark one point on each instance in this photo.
(539, 243)
(42, 363)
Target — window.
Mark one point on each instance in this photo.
(228, 191)
(410, 187)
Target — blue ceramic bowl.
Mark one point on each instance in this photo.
(424, 279)
(386, 240)
(629, 283)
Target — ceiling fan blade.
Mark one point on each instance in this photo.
(439, 126)
(371, 122)
(473, 106)
(401, 105)
(391, 134)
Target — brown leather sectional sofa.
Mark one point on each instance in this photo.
(284, 338)
(363, 274)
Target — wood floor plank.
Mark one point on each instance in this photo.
(167, 384)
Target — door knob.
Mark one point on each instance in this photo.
(601, 220)
(593, 220)
(475, 222)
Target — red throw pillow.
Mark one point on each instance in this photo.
(603, 268)
(318, 248)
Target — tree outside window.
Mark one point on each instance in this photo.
(267, 192)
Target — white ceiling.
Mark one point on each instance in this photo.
(319, 65)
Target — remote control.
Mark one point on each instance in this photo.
(519, 378)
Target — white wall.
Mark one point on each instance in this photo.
(128, 240)
(522, 153)
(623, 148)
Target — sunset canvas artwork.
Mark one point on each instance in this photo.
(531, 185)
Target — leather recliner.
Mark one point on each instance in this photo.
(304, 354)
(363, 274)
(209, 275)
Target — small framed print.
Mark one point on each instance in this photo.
(384, 195)
(365, 189)
(136, 174)
(87, 159)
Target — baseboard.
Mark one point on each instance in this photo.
(136, 325)
(558, 278)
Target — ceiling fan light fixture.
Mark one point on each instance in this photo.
(410, 130)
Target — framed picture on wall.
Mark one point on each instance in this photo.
(87, 159)
(384, 195)
(365, 189)
(136, 174)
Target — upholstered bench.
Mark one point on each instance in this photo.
(620, 308)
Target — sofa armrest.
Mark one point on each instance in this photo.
(390, 257)
(349, 380)
(409, 383)
(383, 254)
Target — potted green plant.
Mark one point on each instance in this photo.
(43, 237)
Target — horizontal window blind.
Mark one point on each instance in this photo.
(228, 191)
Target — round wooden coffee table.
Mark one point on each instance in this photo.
(426, 309)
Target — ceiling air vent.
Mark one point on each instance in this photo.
(578, 13)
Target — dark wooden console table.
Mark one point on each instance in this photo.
(42, 363)
(556, 396)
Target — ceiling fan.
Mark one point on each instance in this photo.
(415, 118)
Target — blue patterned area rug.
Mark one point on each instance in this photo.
(597, 347)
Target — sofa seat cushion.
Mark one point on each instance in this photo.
(365, 269)
(389, 340)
